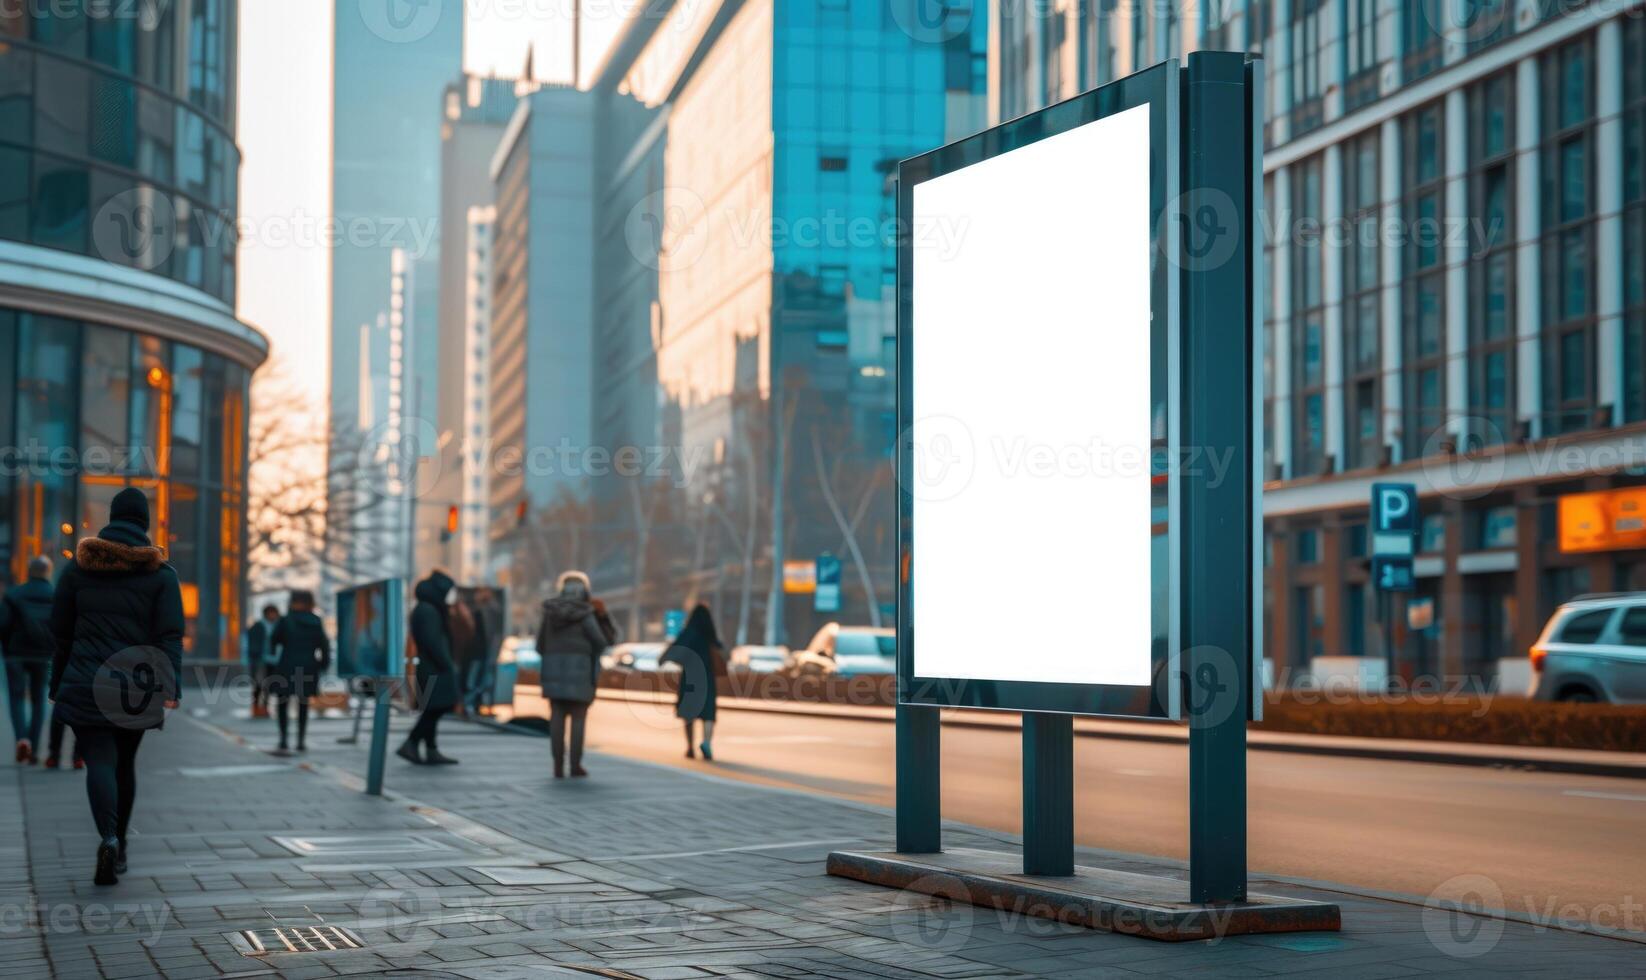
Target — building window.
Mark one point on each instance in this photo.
(1308, 323)
(1307, 544)
(1309, 61)
(1491, 190)
(1361, 86)
(1498, 527)
(1362, 299)
(1568, 206)
(1424, 296)
(1269, 435)
(1431, 534)
(1420, 39)
(1634, 218)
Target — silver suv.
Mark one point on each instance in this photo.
(1593, 649)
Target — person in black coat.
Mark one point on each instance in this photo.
(573, 633)
(259, 654)
(117, 621)
(437, 682)
(301, 655)
(698, 651)
(25, 636)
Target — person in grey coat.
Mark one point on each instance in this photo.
(574, 631)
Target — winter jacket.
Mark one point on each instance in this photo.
(302, 654)
(570, 640)
(25, 622)
(437, 683)
(117, 621)
(260, 645)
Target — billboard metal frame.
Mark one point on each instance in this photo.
(1207, 182)
(1158, 89)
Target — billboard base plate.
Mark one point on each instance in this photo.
(1150, 906)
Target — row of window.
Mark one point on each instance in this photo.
(1567, 222)
(89, 410)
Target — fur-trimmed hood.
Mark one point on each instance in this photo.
(103, 555)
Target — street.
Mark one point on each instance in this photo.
(1546, 840)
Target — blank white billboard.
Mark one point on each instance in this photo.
(1030, 336)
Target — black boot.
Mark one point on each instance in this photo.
(434, 758)
(408, 751)
(120, 858)
(108, 853)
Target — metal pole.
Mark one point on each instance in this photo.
(919, 806)
(1048, 794)
(379, 739)
(1220, 198)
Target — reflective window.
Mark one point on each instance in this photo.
(44, 488)
(1569, 387)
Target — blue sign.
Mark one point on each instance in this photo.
(827, 597)
(1394, 534)
(674, 620)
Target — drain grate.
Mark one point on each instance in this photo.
(295, 939)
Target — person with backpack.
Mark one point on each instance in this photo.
(117, 624)
(573, 633)
(25, 637)
(302, 653)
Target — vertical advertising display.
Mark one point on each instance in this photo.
(1038, 407)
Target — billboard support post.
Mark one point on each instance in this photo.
(919, 758)
(1048, 793)
(1218, 571)
(379, 739)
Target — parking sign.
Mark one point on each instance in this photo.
(1394, 533)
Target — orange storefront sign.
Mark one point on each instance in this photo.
(1607, 520)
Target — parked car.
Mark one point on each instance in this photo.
(846, 650)
(1593, 649)
(636, 656)
(759, 659)
(517, 658)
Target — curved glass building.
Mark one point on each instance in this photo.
(121, 360)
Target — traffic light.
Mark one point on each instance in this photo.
(451, 523)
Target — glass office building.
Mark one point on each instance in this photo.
(1455, 236)
(121, 361)
(742, 356)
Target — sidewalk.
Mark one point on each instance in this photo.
(491, 869)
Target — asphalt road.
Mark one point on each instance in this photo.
(1557, 847)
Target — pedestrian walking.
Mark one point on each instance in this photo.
(574, 631)
(25, 637)
(698, 651)
(302, 652)
(117, 624)
(437, 682)
(259, 655)
(54, 743)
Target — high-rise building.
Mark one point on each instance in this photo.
(1455, 234)
(474, 113)
(542, 319)
(122, 362)
(739, 264)
(474, 525)
(391, 66)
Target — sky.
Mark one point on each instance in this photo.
(285, 141)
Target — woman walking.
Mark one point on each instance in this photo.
(117, 622)
(572, 635)
(698, 651)
(302, 653)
